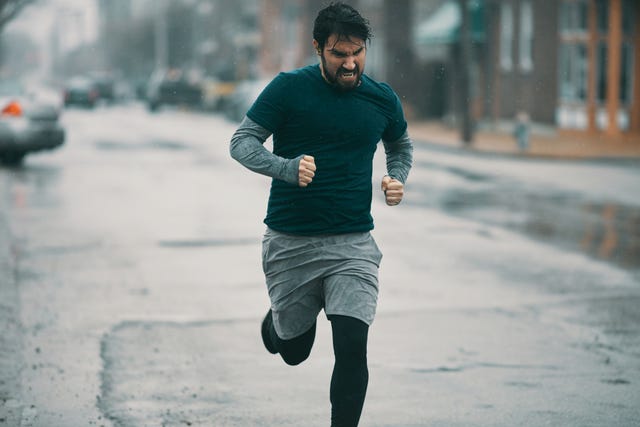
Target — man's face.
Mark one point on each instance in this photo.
(342, 61)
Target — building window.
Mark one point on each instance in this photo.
(574, 52)
(506, 36)
(573, 72)
(577, 43)
(601, 72)
(526, 36)
(627, 57)
(628, 16)
(574, 17)
(626, 54)
(602, 16)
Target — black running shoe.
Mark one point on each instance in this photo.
(267, 324)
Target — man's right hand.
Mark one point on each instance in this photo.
(306, 171)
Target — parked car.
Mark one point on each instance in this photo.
(81, 91)
(173, 87)
(242, 98)
(28, 121)
(106, 88)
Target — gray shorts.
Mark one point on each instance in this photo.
(305, 274)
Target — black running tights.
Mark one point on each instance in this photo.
(350, 374)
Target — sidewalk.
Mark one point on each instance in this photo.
(560, 146)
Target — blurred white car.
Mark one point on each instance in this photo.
(28, 120)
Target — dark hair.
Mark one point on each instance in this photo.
(340, 19)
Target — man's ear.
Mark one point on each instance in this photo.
(316, 46)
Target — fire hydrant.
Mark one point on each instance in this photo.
(522, 131)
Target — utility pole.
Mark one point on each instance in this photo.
(465, 75)
(400, 64)
(160, 35)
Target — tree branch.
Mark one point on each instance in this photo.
(9, 9)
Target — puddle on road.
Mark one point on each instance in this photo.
(606, 231)
(466, 174)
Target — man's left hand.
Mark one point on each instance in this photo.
(393, 190)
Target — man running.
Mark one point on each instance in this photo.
(318, 253)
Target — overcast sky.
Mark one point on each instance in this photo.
(79, 18)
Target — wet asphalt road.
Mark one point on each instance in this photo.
(131, 288)
(606, 229)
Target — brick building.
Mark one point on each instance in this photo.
(573, 64)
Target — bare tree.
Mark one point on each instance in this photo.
(9, 9)
(401, 63)
(464, 75)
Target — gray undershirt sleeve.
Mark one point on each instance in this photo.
(399, 157)
(248, 149)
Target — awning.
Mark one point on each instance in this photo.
(443, 26)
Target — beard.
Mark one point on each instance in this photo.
(336, 80)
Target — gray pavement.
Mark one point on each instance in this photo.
(441, 368)
(10, 335)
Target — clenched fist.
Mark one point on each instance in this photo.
(393, 190)
(306, 171)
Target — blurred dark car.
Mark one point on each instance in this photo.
(242, 98)
(106, 88)
(28, 121)
(173, 87)
(81, 91)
